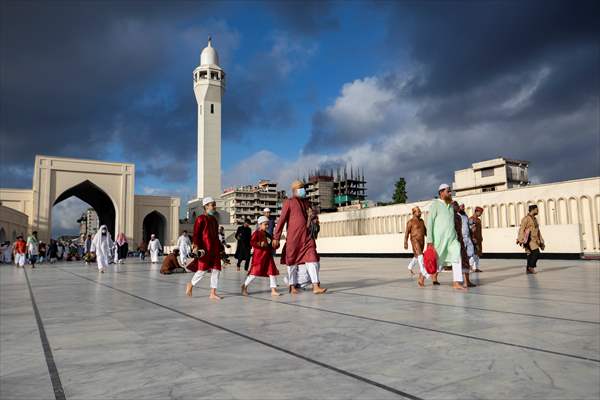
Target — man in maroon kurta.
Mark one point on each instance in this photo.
(206, 244)
(300, 247)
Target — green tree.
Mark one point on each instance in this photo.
(399, 192)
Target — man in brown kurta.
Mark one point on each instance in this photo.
(531, 239)
(300, 247)
(416, 231)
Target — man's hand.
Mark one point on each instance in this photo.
(275, 244)
(405, 245)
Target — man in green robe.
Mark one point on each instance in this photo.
(441, 234)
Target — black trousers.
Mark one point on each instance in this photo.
(246, 263)
(532, 258)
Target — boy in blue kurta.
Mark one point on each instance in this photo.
(441, 234)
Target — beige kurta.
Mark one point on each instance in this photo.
(535, 240)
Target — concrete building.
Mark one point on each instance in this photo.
(491, 175)
(209, 88)
(108, 187)
(319, 190)
(569, 216)
(12, 224)
(249, 201)
(88, 224)
(328, 193)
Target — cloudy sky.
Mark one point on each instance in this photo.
(412, 89)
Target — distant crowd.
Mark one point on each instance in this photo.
(32, 251)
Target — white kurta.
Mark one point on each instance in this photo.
(185, 247)
(154, 247)
(102, 245)
(466, 235)
(7, 254)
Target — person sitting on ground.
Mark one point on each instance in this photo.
(172, 265)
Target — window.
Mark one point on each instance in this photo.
(487, 172)
(489, 189)
(212, 108)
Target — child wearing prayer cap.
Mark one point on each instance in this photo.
(263, 263)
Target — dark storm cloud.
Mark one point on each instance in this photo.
(462, 44)
(304, 17)
(487, 79)
(73, 72)
(113, 80)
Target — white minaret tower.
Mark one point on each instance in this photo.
(209, 86)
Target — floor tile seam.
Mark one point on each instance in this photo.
(468, 293)
(473, 292)
(469, 307)
(531, 348)
(248, 337)
(59, 392)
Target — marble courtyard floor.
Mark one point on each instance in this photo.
(67, 331)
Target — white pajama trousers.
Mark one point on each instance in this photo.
(184, 253)
(457, 271)
(20, 259)
(311, 267)
(418, 260)
(272, 280)
(214, 278)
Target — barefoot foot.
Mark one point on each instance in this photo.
(293, 290)
(458, 286)
(317, 289)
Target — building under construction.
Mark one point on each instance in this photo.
(328, 190)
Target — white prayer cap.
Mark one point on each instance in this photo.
(262, 219)
(443, 186)
(267, 209)
(207, 200)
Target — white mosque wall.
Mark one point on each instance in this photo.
(568, 216)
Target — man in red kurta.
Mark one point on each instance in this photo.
(205, 242)
(263, 263)
(300, 247)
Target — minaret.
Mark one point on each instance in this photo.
(209, 86)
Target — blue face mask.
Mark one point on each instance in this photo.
(301, 193)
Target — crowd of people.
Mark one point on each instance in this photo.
(449, 240)
(32, 251)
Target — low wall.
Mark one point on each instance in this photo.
(562, 239)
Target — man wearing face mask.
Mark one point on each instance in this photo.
(531, 239)
(300, 246)
(206, 245)
(101, 246)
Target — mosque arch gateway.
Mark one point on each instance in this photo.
(96, 198)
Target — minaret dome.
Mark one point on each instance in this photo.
(209, 55)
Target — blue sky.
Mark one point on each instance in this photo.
(412, 89)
